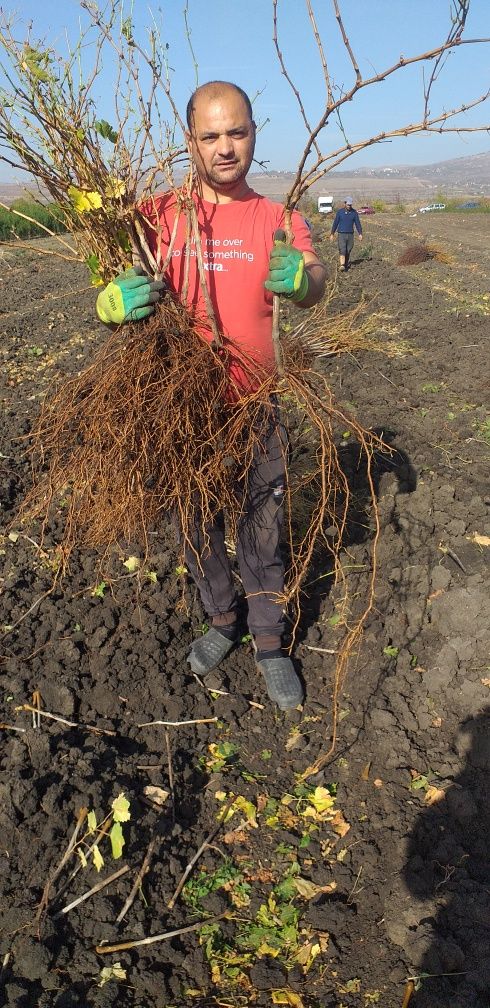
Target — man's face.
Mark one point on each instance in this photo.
(222, 139)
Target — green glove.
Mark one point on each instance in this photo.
(287, 272)
(129, 298)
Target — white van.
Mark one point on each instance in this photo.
(325, 204)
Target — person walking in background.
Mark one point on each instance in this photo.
(346, 219)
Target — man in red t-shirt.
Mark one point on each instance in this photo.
(244, 268)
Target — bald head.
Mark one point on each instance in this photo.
(215, 91)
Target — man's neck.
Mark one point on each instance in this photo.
(225, 194)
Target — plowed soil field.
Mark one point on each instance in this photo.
(370, 883)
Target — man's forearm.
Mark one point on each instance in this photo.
(317, 276)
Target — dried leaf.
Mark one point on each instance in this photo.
(120, 808)
(114, 972)
(294, 740)
(237, 836)
(486, 682)
(378, 782)
(366, 771)
(157, 795)
(308, 890)
(261, 874)
(433, 795)
(82, 857)
(339, 825)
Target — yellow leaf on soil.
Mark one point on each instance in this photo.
(480, 540)
(132, 563)
(286, 997)
(97, 857)
(267, 950)
(433, 795)
(241, 804)
(92, 821)
(307, 954)
(486, 682)
(321, 799)
(120, 808)
(117, 840)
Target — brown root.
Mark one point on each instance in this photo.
(144, 431)
(419, 252)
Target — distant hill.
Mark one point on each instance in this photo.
(473, 170)
(457, 176)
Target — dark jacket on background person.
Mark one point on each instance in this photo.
(345, 220)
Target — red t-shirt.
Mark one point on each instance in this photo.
(236, 241)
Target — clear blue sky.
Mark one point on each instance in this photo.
(232, 40)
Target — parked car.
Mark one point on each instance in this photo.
(433, 206)
(468, 206)
(366, 210)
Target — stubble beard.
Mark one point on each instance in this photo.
(216, 178)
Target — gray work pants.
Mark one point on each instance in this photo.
(345, 242)
(260, 561)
